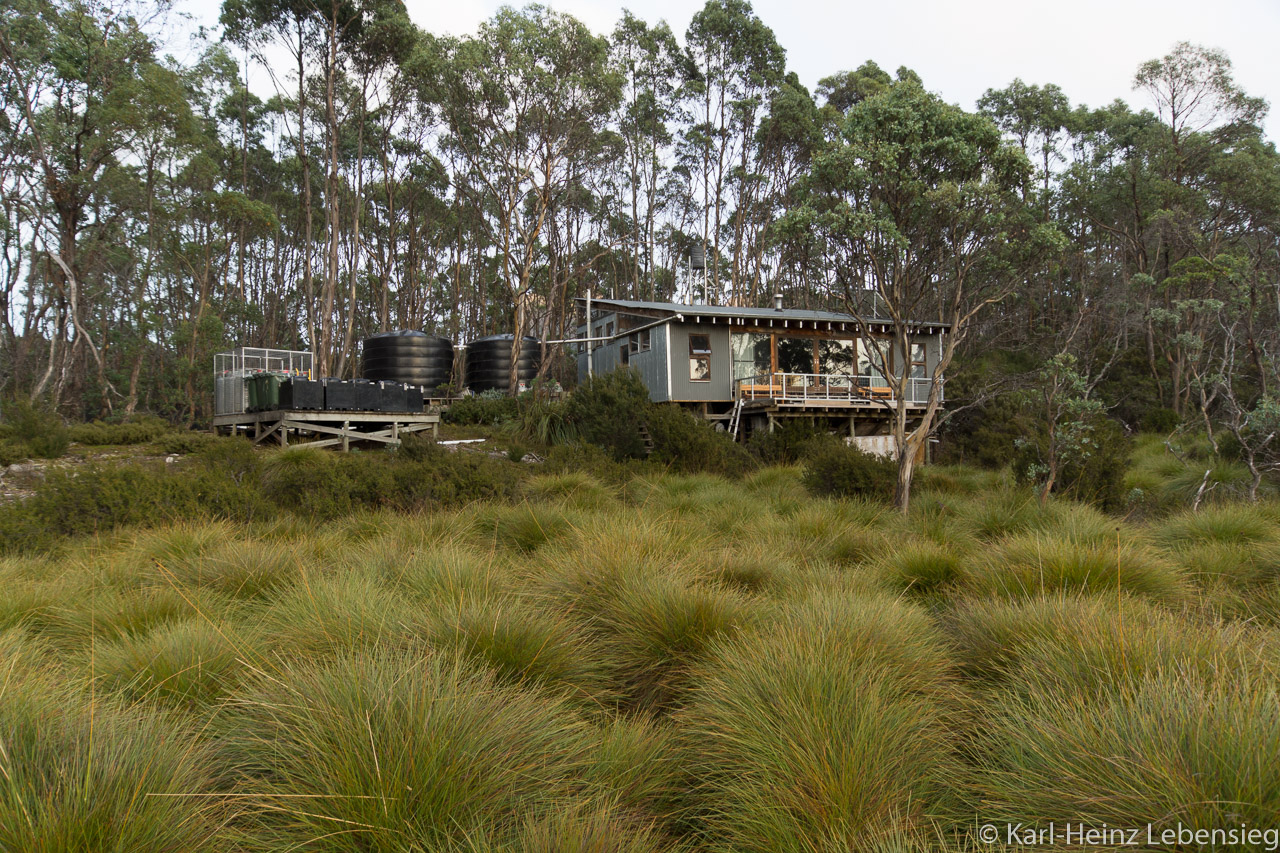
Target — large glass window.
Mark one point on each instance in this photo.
(700, 358)
(795, 355)
(836, 358)
(873, 354)
(750, 355)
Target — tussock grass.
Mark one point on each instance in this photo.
(1090, 644)
(523, 528)
(239, 568)
(110, 778)
(1167, 748)
(1233, 524)
(386, 751)
(192, 664)
(588, 828)
(923, 569)
(1034, 564)
(521, 645)
(798, 740)
(650, 626)
(328, 615)
(573, 488)
(671, 663)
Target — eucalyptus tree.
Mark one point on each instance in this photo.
(523, 100)
(76, 72)
(919, 205)
(648, 61)
(256, 25)
(734, 63)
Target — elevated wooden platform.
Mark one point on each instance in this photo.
(336, 429)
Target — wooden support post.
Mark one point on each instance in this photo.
(284, 433)
(395, 433)
(346, 436)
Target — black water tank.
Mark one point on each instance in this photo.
(489, 362)
(414, 358)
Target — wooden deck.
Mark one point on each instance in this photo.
(336, 429)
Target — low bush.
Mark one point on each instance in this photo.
(185, 442)
(688, 445)
(41, 431)
(490, 408)
(99, 498)
(607, 411)
(831, 469)
(787, 444)
(140, 430)
(13, 451)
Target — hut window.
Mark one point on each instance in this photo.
(645, 341)
(624, 354)
(751, 356)
(700, 358)
(918, 365)
(633, 342)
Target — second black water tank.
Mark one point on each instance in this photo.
(408, 356)
(489, 362)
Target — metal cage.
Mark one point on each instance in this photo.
(231, 395)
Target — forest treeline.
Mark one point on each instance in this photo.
(157, 211)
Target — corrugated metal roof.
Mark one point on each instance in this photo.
(734, 311)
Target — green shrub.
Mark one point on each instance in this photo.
(185, 442)
(402, 747)
(13, 451)
(42, 431)
(686, 444)
(140, 430)
(99, 498)
(787, 444)
(607, 411)
(490, 408)
(834, 470)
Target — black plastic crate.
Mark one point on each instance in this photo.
(296, 393)
(340, 396)
(391, 397)
(413, 399)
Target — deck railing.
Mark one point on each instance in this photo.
(819, 388)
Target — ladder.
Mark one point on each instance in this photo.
(735, 419)
(646, 438)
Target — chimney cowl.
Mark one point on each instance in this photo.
(777, 302)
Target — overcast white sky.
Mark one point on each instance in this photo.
(961, 48)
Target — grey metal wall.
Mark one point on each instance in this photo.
(651, 364)
(721, 385)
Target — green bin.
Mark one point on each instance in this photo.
(269, 391)
(251, 382)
